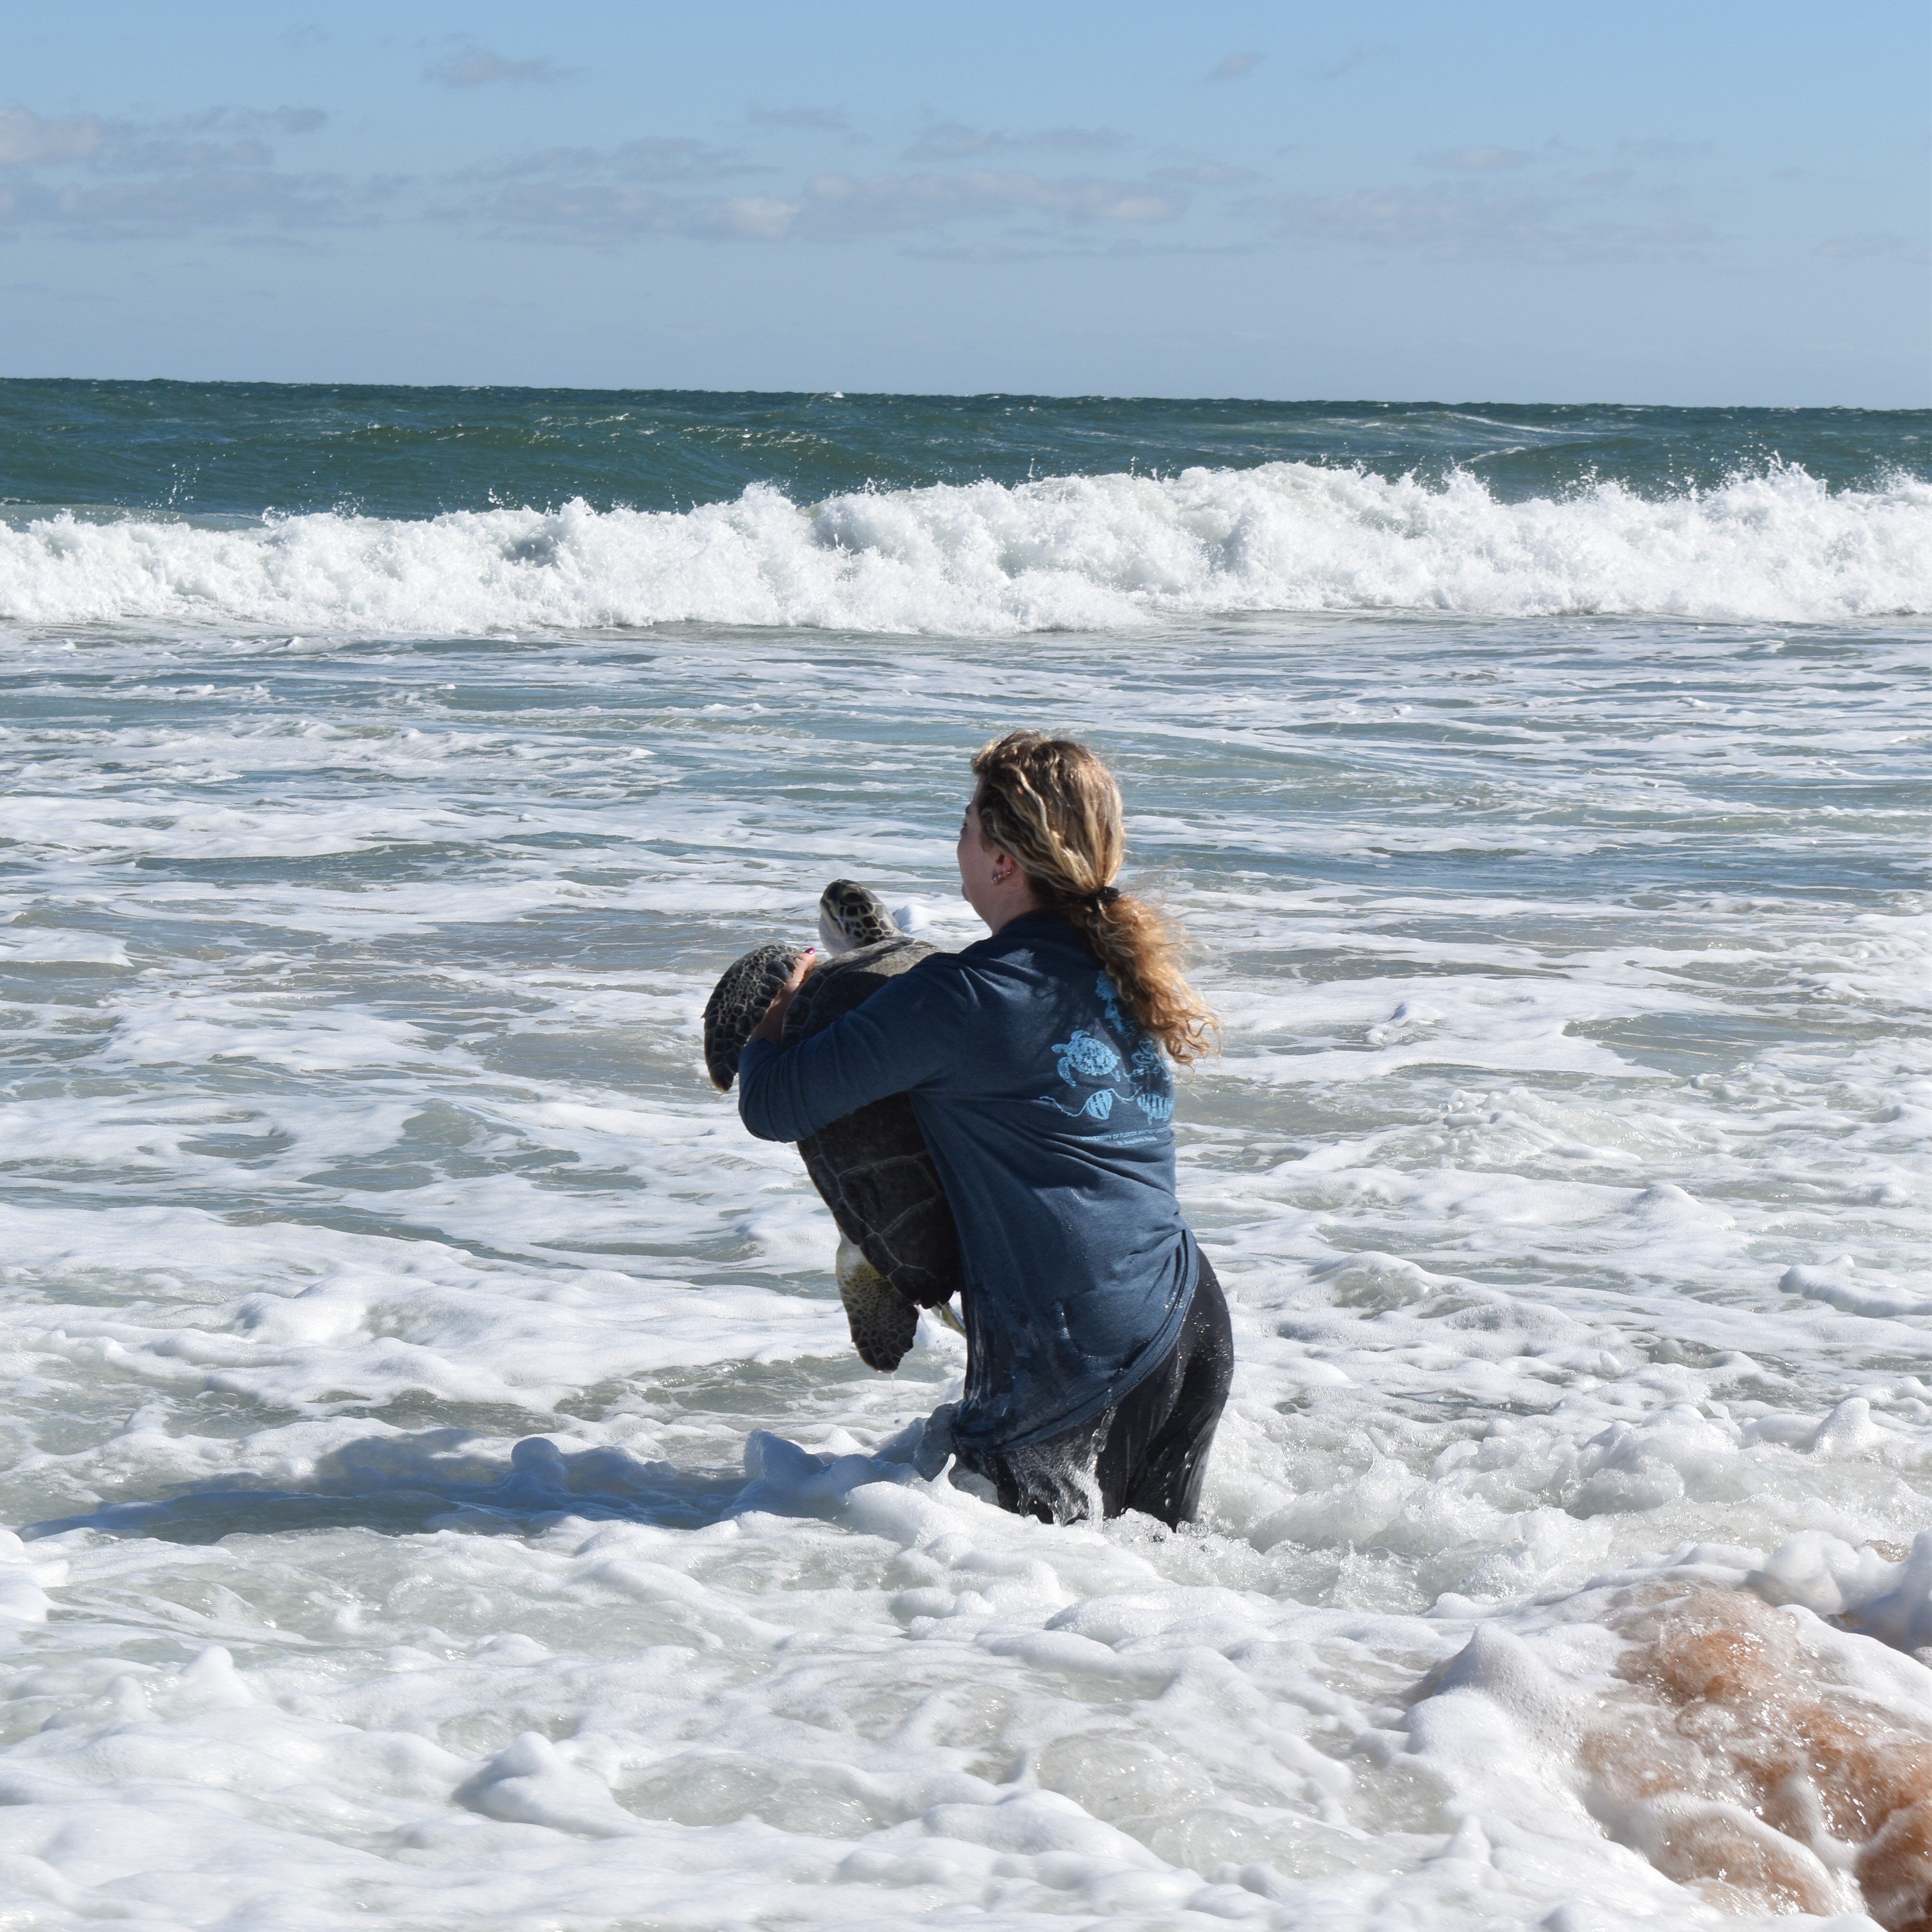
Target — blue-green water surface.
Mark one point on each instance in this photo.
(236, 449)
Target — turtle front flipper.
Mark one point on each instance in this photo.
(738, 1003)
(883, 1323)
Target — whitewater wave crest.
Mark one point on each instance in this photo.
(1064, 553)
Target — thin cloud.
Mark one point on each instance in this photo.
(99, 179)
(217, 137)
(1205, 174)
(1664, 150)
(604, 213)
(650, 157)
(956, 141)
(829, 207)
(26, 138)
(823, 120)
(1356, 56)
(176, 156)
(1235, 65)
(478, 67)
(237, 121)
(1133, 248)
(182, 204)
(1452, 224)
(1867, 247)
(655, 157)
(1075, 139)
(834, 206)
(1479, 161)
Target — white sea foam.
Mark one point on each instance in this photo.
(1070, 553)
(450, 1495)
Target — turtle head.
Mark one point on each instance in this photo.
(850, 916)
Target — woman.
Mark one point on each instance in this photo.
(1098, 1349)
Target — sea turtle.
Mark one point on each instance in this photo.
(899, 1250)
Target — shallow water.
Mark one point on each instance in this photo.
(448, 1497)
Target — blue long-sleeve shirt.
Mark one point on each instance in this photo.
(1047, 1111)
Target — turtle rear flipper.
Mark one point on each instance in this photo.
(883, 1322)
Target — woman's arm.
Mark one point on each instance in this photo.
(900, 1039)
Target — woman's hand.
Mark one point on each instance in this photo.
(771, 1027)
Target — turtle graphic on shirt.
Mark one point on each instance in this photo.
(1142, 1077)
(898, 1248)
(1086, 1053)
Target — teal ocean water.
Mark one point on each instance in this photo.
(237, 449)
(439, 1489)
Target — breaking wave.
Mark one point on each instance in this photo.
(1064, 553)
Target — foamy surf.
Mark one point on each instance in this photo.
(1074, 553)
(442, 1489)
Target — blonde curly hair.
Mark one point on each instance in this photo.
(1054, 805)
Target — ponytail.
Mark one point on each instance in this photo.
(1052, 805)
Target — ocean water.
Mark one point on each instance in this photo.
(441, 1491)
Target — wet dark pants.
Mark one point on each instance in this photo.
(1149, 1452)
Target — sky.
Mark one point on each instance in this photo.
(1695, 203)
